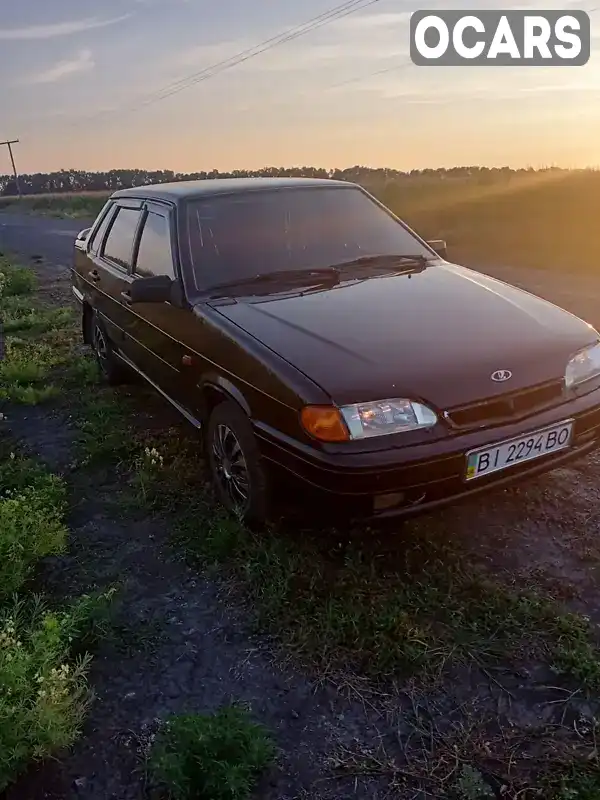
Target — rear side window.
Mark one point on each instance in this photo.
(96, 242)
(155, 256)
(119, 244)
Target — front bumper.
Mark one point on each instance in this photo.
(426, 476)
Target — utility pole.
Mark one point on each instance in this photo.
(12, 161)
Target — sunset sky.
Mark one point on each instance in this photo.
(76, 75)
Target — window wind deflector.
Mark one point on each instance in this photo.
(284, 277)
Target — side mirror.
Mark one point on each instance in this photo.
(82, 235)
(157, 289)
(439, 245)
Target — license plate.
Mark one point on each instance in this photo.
(515, 451)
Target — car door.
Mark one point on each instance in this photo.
(87, 255)
(111, 273)
(155, 329)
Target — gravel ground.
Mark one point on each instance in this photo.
(185, 646)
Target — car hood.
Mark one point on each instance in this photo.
(437, 335)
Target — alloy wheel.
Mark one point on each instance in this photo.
(101, 347)
(230, 467)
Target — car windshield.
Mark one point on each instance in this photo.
(238, 237)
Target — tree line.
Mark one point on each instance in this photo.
(75, 180)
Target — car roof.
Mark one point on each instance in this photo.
(189, 190)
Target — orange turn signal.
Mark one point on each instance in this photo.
(324, 423)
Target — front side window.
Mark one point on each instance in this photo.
(155, 256)
(118, 247)
(96, 242)
(235, 237)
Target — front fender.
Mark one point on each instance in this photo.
(225, 387)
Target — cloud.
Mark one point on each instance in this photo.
(83, 62)
(373, 21)
(51, 31)
(520, 86)
(204, 55)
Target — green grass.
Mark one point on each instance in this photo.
(25, 372)
(15, 281)
(580, 783)
(413, 613)
(38, 339)
(471, 786)
(104, 434)
(43, 660)
(43, 689)
(32, 505)
(38, 321)
(81, 371)
(43, 693)
(210, 757)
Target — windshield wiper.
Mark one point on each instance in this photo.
(325, 276)
(386, 261)
(285, 277)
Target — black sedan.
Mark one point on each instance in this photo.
(311, 334)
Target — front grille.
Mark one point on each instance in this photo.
(507, 407)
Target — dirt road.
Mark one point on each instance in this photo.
(200, 654)
(31, 236)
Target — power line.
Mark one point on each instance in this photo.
(337, 12)
(367, 75)
(333, 15)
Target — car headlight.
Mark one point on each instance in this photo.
(365, 420)
(382, 417)
(583, 366)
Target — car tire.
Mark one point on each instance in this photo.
(111, 369)
(235, 464)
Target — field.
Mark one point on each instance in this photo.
(531, 219)
(456, 656)
(73, 205)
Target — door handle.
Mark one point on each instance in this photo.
(95, 275)
(126, 297)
